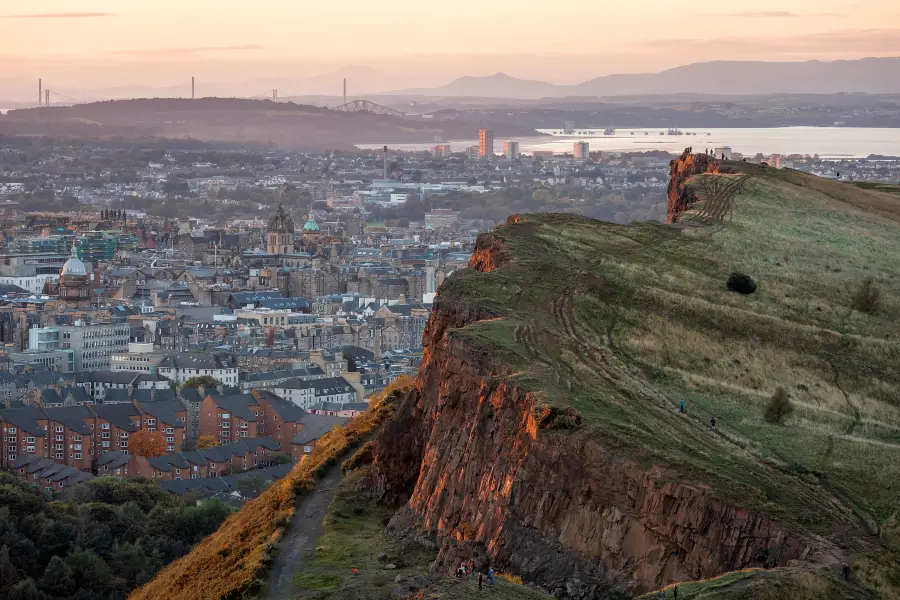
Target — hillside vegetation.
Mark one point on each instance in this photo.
(97, 541)
(232, 563)
(624, 323)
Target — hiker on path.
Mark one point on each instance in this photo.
(675, 590)
(681, 407)
(491, 575)
(712, 422)
(479, 579)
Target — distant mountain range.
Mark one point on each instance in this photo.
(868, 75)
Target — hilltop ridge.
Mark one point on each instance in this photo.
(544, 434)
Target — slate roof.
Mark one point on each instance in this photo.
(285, 409)
(113, 459)
(315, 426)
(238, 405)
(25, 418)
(165, 410)
(72, 417)
(118, 415)
(339, 406)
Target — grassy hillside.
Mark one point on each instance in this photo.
(232, 562)
(626, 322)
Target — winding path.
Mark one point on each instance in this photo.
(299, 541)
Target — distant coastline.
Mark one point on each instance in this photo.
(827, 142)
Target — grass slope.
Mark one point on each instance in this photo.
(352, 539)
(231, 563)
(626, 322)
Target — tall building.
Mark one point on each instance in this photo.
(485, 143)
(582, 150)
(280, 233)
(511, 149)
(441, 150)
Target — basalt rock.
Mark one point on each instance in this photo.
(681, 169)
(468, 458)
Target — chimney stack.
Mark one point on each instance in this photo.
(385, 164)
(46, 97)
(40, 92)
(192, 88)
(345, 90)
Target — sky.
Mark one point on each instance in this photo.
(80, 46)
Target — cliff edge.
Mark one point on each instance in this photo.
(545, 435)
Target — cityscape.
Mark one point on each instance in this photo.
(443, 302)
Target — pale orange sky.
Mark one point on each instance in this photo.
(90, 44)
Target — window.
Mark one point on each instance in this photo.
(59, 429)
(307, 449)
(76, 438)
(60, 438)
(11, 430)
(29, 449)
(60, 446)
(78, 456)
(170, 430)
(13, 457)
(59, 456)
(29, 440)
(105, 444)
(104, 426)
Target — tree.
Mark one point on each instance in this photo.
(148, 444)
(204, 380)
(57, 579)
(779, 406)
(868, 297)
(25, 590)
(206, 441)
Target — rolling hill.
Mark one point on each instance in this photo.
(864, 76)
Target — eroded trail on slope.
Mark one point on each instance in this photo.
(300, 539)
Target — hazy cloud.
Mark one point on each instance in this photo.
(825, 45)
(67, 15)
(764, 13)
(190, 50)
(774, 14)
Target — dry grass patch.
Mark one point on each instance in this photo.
(231, 563)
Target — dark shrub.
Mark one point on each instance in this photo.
(779, 406)
(868, 297)
(740, 283)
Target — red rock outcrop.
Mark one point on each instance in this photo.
(681, 169)
(468, 457)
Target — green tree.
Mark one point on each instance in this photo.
(204, 380)
(25, 590)
(57, 579)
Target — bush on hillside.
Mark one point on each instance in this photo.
(741, 283)
(868, 297)
(779, 406)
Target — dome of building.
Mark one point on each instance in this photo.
(280, 222)
(311, 226)
(73, 266)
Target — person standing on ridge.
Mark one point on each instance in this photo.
(675, 589)
(480, 575)
(681, 407)
(491, 575)
(712, 422)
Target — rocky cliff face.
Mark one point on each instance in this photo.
(477, 463)
(681, 169)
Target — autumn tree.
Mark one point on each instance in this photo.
(206, 441)
(148, 444)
